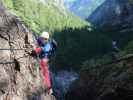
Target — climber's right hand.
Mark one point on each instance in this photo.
(33, 53)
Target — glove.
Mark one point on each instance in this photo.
(33, 53)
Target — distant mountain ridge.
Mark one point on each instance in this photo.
(82, 8)
(114, 14)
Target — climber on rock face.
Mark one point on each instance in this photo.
(46, 48)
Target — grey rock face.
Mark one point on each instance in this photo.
(19, 78)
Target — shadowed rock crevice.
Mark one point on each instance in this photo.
(118, 94)
(111, 81)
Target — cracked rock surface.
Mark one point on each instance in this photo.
(20, 79)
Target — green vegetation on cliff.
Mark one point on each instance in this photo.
(41, 16)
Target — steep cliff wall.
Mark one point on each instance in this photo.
(19, 78)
